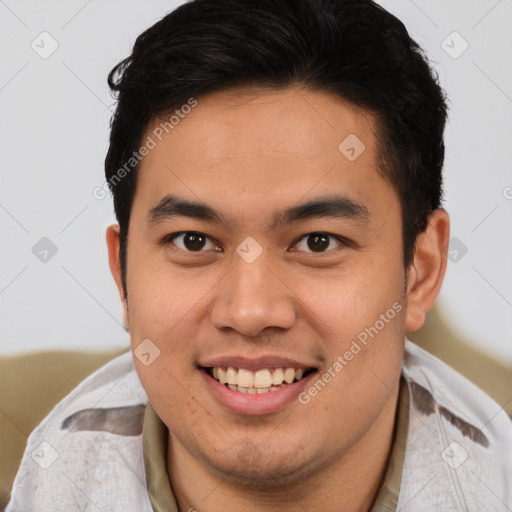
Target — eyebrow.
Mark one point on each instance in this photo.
(335, 206)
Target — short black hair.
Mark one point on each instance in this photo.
(354, 49)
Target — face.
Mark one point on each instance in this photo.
(294, 262)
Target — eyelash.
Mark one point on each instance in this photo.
(343, 242)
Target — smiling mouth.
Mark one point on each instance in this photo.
(257, 382)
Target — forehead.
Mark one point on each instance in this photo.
(290, 122)
(255, 148)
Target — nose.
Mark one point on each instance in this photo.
(252, 297)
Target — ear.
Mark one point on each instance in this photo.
(426, 272)
(113, 245)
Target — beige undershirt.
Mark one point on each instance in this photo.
(155, 437)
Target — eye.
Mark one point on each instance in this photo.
(191, 241)
(318, 242)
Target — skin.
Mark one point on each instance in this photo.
(247, 153)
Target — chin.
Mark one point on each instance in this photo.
(263, 468)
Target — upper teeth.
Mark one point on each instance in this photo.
(264, 378)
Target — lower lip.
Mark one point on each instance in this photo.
(264, 403)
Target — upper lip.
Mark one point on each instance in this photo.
(257, 363)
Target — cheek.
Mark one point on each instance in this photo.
(365, 346)
(162, 300)
(345, 301)
(360, 316)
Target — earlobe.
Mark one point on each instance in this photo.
(113, 245)
(427, 270)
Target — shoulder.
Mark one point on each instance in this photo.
(459, 441)
(78, 446)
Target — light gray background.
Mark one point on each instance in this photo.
(54, 130)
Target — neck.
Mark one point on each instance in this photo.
(353, 479)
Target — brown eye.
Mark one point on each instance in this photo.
(318, 242)
(194, 241)
(191, 241)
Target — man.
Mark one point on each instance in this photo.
(276, 173)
